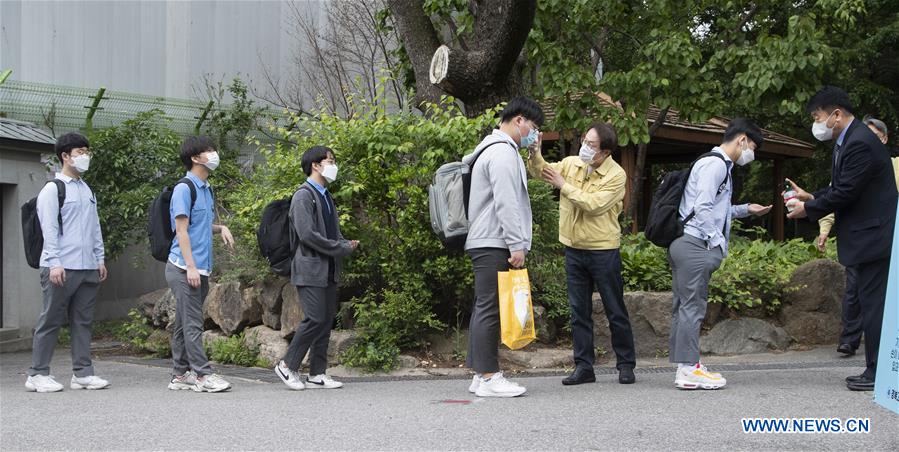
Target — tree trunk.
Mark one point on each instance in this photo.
(639, 166)
(420, 41)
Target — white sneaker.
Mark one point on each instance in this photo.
(475, 382)
(90, 382)
(706, 370)
(42, 383)
(211, 383)
(289, 377)
(181, 382)
(697, 377)
(322, 382)
(498, 386)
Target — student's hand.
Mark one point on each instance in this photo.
(354, 244)
(759, 210)
(58, 276)
(193, 277)
(227, 237)
(517, 259)
(534, 148)
(798, 211)
(821, 242)
(553, 177)
(801, 194)
(103, 273)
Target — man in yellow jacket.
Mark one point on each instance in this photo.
(592, 195)
(851, 335)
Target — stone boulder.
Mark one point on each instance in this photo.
(164, 310)
(817, 286)
(146, 304)
(271, 302)
(210, 336)
(812, 307)
(231, 309)
(538, 358)
(341, 341)
(291, 311)
(650, 317)
(407, 362)
(544, 326)
(272, 347)
(742, 336)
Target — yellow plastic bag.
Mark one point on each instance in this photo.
(516, 313)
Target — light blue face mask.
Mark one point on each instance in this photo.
(529, 139)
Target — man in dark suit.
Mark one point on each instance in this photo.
(862, 195)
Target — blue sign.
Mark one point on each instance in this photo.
(886, 386)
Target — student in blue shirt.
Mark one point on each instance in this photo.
(72, 268)
(695, 255)
(189, 266)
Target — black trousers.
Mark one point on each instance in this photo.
(319, 308)
(600, 270)
(852, 314)
(483, 331)
(871, 280)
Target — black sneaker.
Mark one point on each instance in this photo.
(846, 349)
(626, 375)
(580, 375)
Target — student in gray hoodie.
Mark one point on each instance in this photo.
(499, 236)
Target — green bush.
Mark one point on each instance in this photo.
(235, 350)
(138, 333)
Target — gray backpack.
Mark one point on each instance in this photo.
(448, 201)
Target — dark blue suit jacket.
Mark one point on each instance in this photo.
(862, 195)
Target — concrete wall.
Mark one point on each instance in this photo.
(22, 175)
(160, 48)
(133, 274)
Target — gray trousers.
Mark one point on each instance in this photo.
(314, 332)
(74, 300)
(692, 265)
(483, 332)
(187, 338)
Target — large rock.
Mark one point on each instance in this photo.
(545, 327)
(341, 341)
(538, 358)
(291, 311)
(812, 328)
(650, 318)
(232, 308)
(146, 304)
(742, 336)
(817, 286)
(272, 347)
(210, 336)
(271, 302)
(164, 310)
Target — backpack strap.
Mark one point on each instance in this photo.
(61, 199)
(193, 194)
(726, 177)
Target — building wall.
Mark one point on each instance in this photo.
(22, 175)
(160, 48)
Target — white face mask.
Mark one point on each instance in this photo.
(329, 172)
(81, 163)
(746, 156)
(212, 162)
(586, 154)
(821, 131)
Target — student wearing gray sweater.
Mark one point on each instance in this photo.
(499, 235)
(315, 270)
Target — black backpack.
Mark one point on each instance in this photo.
(159, 223)
(276, 236)
(32, 234)
(663, 225)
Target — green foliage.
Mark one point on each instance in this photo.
(138, 333)
(644, 265)
(65, 337)
(236, 350)
(130, 164)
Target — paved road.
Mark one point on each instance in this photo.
(138, 413)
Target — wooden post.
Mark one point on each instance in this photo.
(628, 163)
(643, 210)
(778, 211)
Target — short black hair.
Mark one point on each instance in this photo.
(69, 141)
(829, 99)
(315, 154)
(523, 106)
(608, 139)
(743, 125)
(194, 145)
